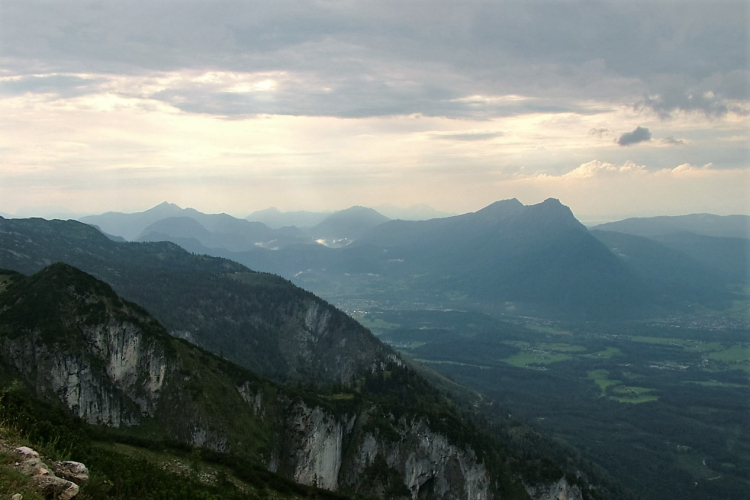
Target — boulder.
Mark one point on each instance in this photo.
(54, 487)
(58, 484)
(72, 471)
(26, 451)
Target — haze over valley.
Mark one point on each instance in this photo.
(374, 250)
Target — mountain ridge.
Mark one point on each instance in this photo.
(261, 321)
(733, 226)
(113, 365)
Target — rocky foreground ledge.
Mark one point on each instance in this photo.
(60, 481)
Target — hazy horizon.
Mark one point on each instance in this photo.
(60, 213)
(617, 109)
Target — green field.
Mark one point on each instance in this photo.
(606, 353)
(714, 383)
(633, 395)
(530, 358)
(666, 398)
(738, 353)
(601, 378)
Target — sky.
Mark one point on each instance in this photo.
(618, 109)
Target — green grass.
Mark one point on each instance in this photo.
(633, 395)
(739, 310)
(446, 362)
(618, 392)
(690, 345)
(714, 383)
(12, 481)
(601, 378)
(546, 329)
(373, 323)
(738, 353)
(526, 358)
(560, 347)
(540, 353)
(662, 341)
(607, 353)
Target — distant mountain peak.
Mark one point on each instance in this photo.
(500, 209)
(552, 201)
(503, 204)
(358, 208)
(165, 204)
(552, 211)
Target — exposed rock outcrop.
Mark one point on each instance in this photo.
(560, 490)
(50, 482)
(336, 452)
(317, 457)
(113, 381)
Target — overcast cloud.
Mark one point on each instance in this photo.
(88, 88)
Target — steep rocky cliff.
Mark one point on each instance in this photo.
(257, 320)
(73, 340)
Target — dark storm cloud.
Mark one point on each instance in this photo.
(385, 57)
(640, 134)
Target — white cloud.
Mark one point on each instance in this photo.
(688, 170)
(596, 168)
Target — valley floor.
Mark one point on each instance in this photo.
(663, 406)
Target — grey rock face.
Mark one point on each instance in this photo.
(318, 455)
(72, 471)
(561, 490)
(113, 380)
(426, 460)
(335, 452)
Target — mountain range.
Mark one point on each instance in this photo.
(361, 423)
(515, 259)
(508, 257)
(274, 218)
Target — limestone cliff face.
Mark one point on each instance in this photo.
(317, 451)
(426, 460)
(560, 490)
(133, 364)
(115, 375)
(336, 452)
(113, 378)
(321, 343)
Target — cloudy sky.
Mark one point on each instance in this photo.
(616, 108)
